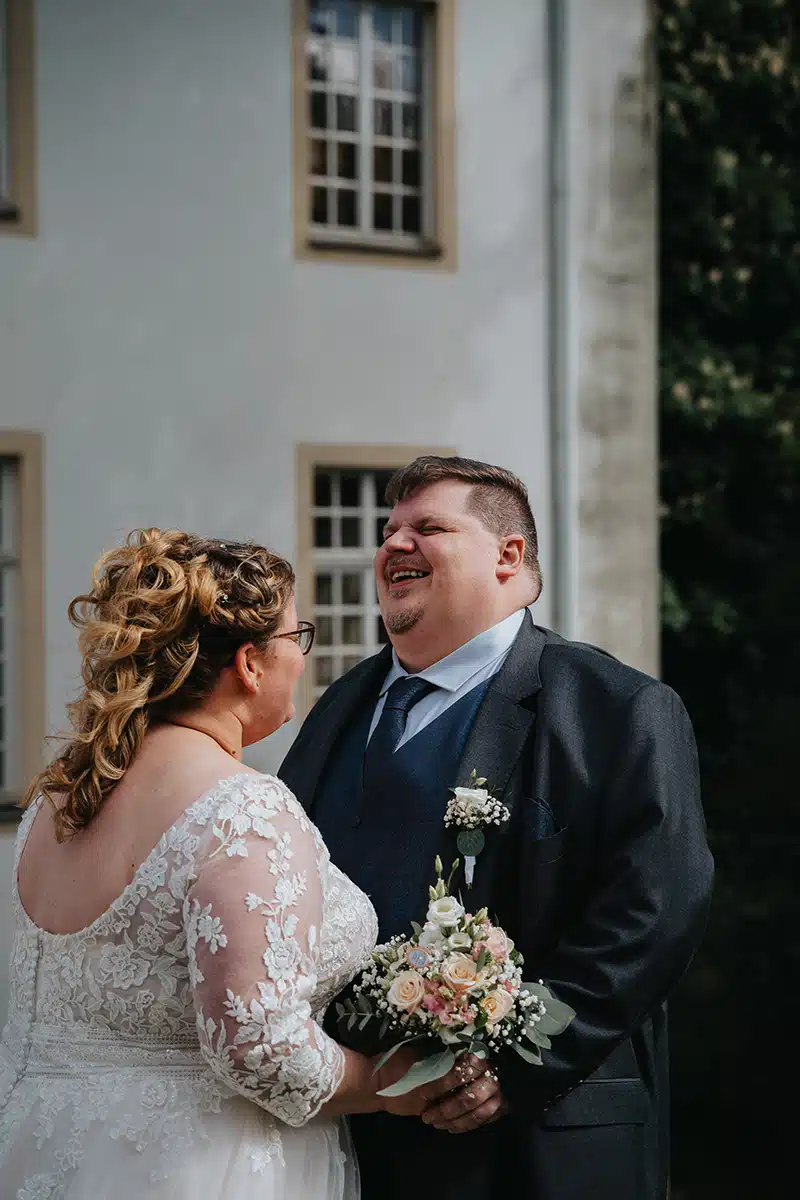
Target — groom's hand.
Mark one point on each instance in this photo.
(473, 1098)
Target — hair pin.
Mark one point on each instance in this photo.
(224, 598)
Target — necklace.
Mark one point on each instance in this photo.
(207, 733)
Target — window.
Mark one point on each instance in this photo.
(17, 134)
(348, 515)
(369, 124)
(342, 511)
(21, 627)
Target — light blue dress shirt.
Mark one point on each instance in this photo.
(455, 675)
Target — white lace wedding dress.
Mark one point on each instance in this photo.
(173, 1048)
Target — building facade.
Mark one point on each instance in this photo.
(255, 255)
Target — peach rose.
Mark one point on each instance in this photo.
(406, 991)
(497, 1005)
(458, 972)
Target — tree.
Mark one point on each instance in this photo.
(730, 403)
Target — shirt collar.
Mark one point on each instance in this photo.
(454, 671)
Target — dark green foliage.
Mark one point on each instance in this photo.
(730, 405)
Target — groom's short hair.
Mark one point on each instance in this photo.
(498, 498)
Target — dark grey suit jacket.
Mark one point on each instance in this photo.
(602, 877)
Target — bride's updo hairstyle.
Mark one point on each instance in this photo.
(166, 614)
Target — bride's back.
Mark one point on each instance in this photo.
(65, 886)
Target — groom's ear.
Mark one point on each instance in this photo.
(511, 556)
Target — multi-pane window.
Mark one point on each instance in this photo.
(9, 584)
(348, 517)
(367, 120)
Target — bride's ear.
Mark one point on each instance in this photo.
(249, 666)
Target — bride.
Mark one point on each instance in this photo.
(180, 928)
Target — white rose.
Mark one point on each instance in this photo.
(474, 798)
(459, 941)
(406, 991)
(497, 1005)
(446, 911)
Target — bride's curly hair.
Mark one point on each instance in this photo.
(166, 614)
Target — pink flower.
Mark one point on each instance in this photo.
(498, 944)
(433, 1003)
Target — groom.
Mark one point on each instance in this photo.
(602, 874)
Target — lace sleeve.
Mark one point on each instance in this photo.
(253, 915)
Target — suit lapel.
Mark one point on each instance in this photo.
(503, 723)
(503, 726)
(329, 721)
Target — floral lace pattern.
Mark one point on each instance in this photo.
(205, 979)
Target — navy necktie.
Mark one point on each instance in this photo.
(400, 699)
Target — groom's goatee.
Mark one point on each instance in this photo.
(403, 621)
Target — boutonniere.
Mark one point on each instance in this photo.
(470, 810)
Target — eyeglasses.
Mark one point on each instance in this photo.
(303, 636)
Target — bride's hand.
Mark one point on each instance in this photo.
(412, 1104)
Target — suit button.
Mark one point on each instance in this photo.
(356, 821)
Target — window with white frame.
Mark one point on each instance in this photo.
(347, 518)
(368, 120)
(9, 587)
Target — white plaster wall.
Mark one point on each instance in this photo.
(161, 336)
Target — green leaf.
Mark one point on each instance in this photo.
(384, 1058)
(425, 1071)
(362, 1024)
(534, 1034)
(557, 1016)
(470, 842)
(483, 958)
(415, 925)
(529, 1055)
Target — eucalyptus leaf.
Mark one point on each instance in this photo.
(362, 1024)
(557, 1015)
(384, 1058)
(528, 1055)
(425, 1071)
(534, 1034)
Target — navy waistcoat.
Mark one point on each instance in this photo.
(386, 838)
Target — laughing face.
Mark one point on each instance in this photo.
(441, 574)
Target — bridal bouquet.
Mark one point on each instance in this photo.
(457, 982)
